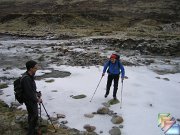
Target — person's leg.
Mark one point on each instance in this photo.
(116, 81)
(32, 109)
(108, 86)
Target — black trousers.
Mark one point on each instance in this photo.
(32, 109)
(112, 77)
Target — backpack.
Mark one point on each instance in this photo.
(18, 90)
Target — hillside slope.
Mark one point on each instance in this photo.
(140, 18)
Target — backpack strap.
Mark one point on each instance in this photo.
(23, 76)
(109, 63)
(119, 65)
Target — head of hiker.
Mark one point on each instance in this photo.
(113, 58)
(32, 67)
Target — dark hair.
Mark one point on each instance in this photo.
(30, 64)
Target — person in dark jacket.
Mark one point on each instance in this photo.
(31, 99)
(115, 68)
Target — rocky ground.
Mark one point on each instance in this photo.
(75, 52)
(14, 122)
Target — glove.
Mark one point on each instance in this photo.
(39, 100)
(122, 79)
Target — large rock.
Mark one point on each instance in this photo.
(103, 110)
(79, 96)
(112, 101)
(89, 115)
(115, 131)
(117, 119)
(89, 128)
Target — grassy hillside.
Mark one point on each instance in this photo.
(141, 18)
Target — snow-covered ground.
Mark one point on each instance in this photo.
(141, 89)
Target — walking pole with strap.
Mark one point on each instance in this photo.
(121, 94)
(48, 117)
(96, 88)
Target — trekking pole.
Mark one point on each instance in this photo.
(96, 88)
(40, 121)
(48, 116)
(121, 95)
(40, 112)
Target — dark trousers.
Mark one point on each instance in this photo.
(109, 82)
(32, 109)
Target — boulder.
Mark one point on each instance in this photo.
(89, 128)
(103, 110)
(50, 81)
(79, 96)
(117, 119)
(89, 115)
(112, 101)
(115, 131)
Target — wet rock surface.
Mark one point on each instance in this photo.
(54, 74)
(88, 52)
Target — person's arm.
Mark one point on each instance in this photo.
(122, 70)
(105, 68)
(28, 90)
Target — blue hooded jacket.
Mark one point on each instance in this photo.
(114, 68)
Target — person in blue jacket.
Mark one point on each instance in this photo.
(115, 68)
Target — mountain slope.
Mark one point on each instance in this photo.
(95, 17)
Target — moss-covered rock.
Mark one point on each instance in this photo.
(50, 81)
(3, 85)
(113, 101)
(79, 96)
